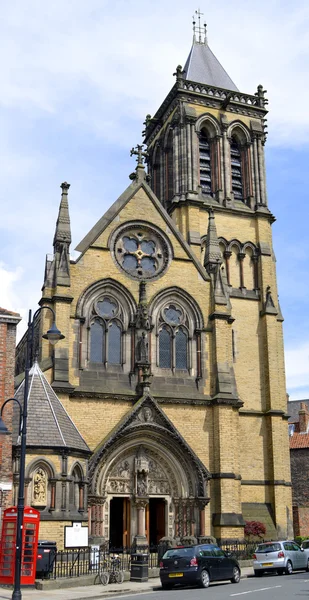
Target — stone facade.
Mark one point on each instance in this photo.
(8, 323)
(172, 366)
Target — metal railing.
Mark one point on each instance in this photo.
(88, 561)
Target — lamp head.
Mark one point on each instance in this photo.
(53, 334)
(3, 428)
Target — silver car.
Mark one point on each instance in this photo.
(283, 557)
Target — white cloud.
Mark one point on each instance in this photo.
(99, 63)
(297, 368)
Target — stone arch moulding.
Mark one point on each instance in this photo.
(40, 462)
(148, 427)
(105, 286)
(240, 131)
(179, 295)
(208, 122)
(77, 467)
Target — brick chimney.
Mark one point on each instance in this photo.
(303, 418)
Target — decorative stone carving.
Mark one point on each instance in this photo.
(142, 353)
(118, 486)
(141, 471)
(40, 488)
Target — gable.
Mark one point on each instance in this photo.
(148, 418)
(138, 202)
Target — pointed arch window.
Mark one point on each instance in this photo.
(106, 332)
(173, 339)
(165, 348)
(205, 164)
(236, 169)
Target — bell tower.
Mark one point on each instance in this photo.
(206, 141)
(206, 165)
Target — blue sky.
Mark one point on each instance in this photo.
(78, 78)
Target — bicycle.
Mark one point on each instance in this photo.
(110, 571)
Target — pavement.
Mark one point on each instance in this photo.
(96, 591)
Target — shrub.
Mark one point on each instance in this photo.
(254, 529)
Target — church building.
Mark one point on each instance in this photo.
(163, 410)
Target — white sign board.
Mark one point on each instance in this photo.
(76, 536)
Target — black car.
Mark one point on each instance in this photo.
(199, 565)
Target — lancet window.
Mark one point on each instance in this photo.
(105, 310)
(106, 332)
(173, 339)
(177, 334)
(77, 499)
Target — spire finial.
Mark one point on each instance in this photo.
(199, 28)
(193, 24)
(63, 229)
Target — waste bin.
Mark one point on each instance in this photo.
(45, 558)
(139, 567)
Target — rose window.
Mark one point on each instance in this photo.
(141, 252)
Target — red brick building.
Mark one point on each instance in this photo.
(8, 324)
(299, 452)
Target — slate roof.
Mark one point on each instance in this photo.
(203, 67)
(294, 408)
(48, 423)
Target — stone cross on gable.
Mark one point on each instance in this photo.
(138, 151)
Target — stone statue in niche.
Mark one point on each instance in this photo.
(141, 484)
(141, 470)
(142, 348)
(40, 487)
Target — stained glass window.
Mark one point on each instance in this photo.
(97, 335)
(107, 308)
(172, 315)
(165, 349)
(142, 253)
(114, 344)
(181, 349)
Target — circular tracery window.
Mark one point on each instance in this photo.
(141, 251)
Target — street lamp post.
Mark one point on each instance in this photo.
(53, 335)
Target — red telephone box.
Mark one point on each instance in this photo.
(30, 538)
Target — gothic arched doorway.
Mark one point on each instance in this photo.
(147, 481)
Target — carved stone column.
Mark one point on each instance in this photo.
(261, 170)
(256, 171)
(140, 539)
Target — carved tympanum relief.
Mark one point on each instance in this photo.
(139, 474)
